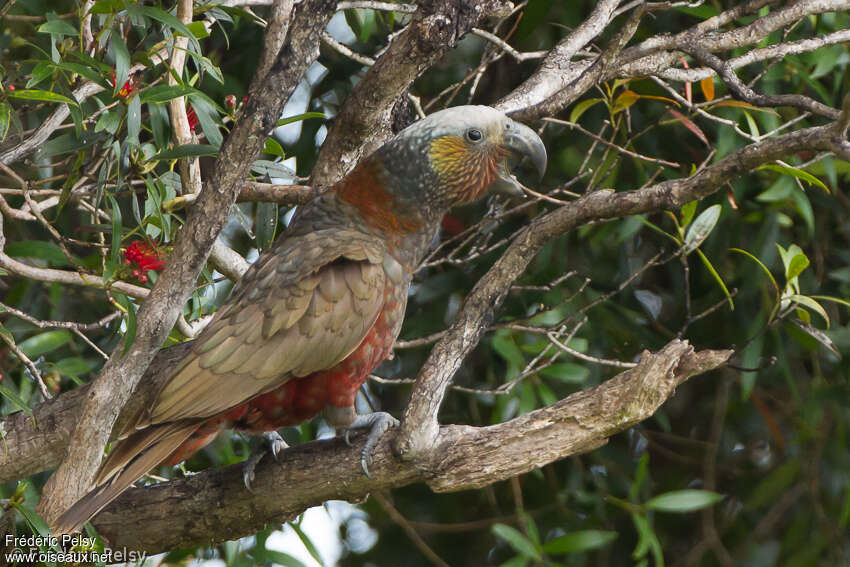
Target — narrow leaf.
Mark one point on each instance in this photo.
(45, 342)
(164, 93)
(582, 107)
(810, 303)
(761, 264)
(717, 278)
(796, 172)
(186, 150)
(43, 96)
(701, 228)
(577, 542)
(298, 118)
(516, 540)
(684, 501)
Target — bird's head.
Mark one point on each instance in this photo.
(457, 155)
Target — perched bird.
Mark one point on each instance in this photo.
(318, 311)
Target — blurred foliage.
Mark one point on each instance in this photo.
(751, 461)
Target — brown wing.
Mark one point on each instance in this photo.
(300, 310)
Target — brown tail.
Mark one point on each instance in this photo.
(127, 462)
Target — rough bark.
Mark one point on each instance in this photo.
(215, 506)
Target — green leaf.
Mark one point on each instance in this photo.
(688, 210)
(311, 548)
(505, 346)
(168, 19)
(265, 224)
(208, 117)
(164, 93)
(717, 278)
(130, 334)
(5, 119)
(59, 27)
(281, 558)
(43, 96)
(83, 70)
(10, 394)
(582, 107)
(36, 523)
(117, 230)
(701, 228)
(578, 542)
(796, 266)
(516, 540)
(810, 303)
(796, 172)
(274, 148)
(751, 123)
(106, 7)
(298, 117)
(109, 121)
(122, 62)
(134, 120)
(198, 29)
(763, 267)
(567, 372)
(72, 367)
(41, 249)
(683, 501)
(45, 342)
(516, 561)
(186, 150)
(768, 490)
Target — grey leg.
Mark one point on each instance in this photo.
(377, 424)
(275, 443)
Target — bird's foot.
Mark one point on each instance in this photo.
(274, 443)
(378, 423)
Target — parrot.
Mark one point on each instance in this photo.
(319, 310)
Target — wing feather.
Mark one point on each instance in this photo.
(313, 312)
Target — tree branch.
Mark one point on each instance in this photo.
(162, 517)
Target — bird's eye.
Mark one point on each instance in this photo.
(474, 135)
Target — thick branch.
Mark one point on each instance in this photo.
(557, 71)
(166, 516)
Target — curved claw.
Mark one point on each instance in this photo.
(276, 442)
(378, 424)
(248, 469)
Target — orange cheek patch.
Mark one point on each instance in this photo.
(465, 171)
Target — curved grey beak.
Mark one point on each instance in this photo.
(522, 142)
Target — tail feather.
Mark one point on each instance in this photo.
(127, 462)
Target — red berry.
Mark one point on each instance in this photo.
(11, 87)
(143, 278)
